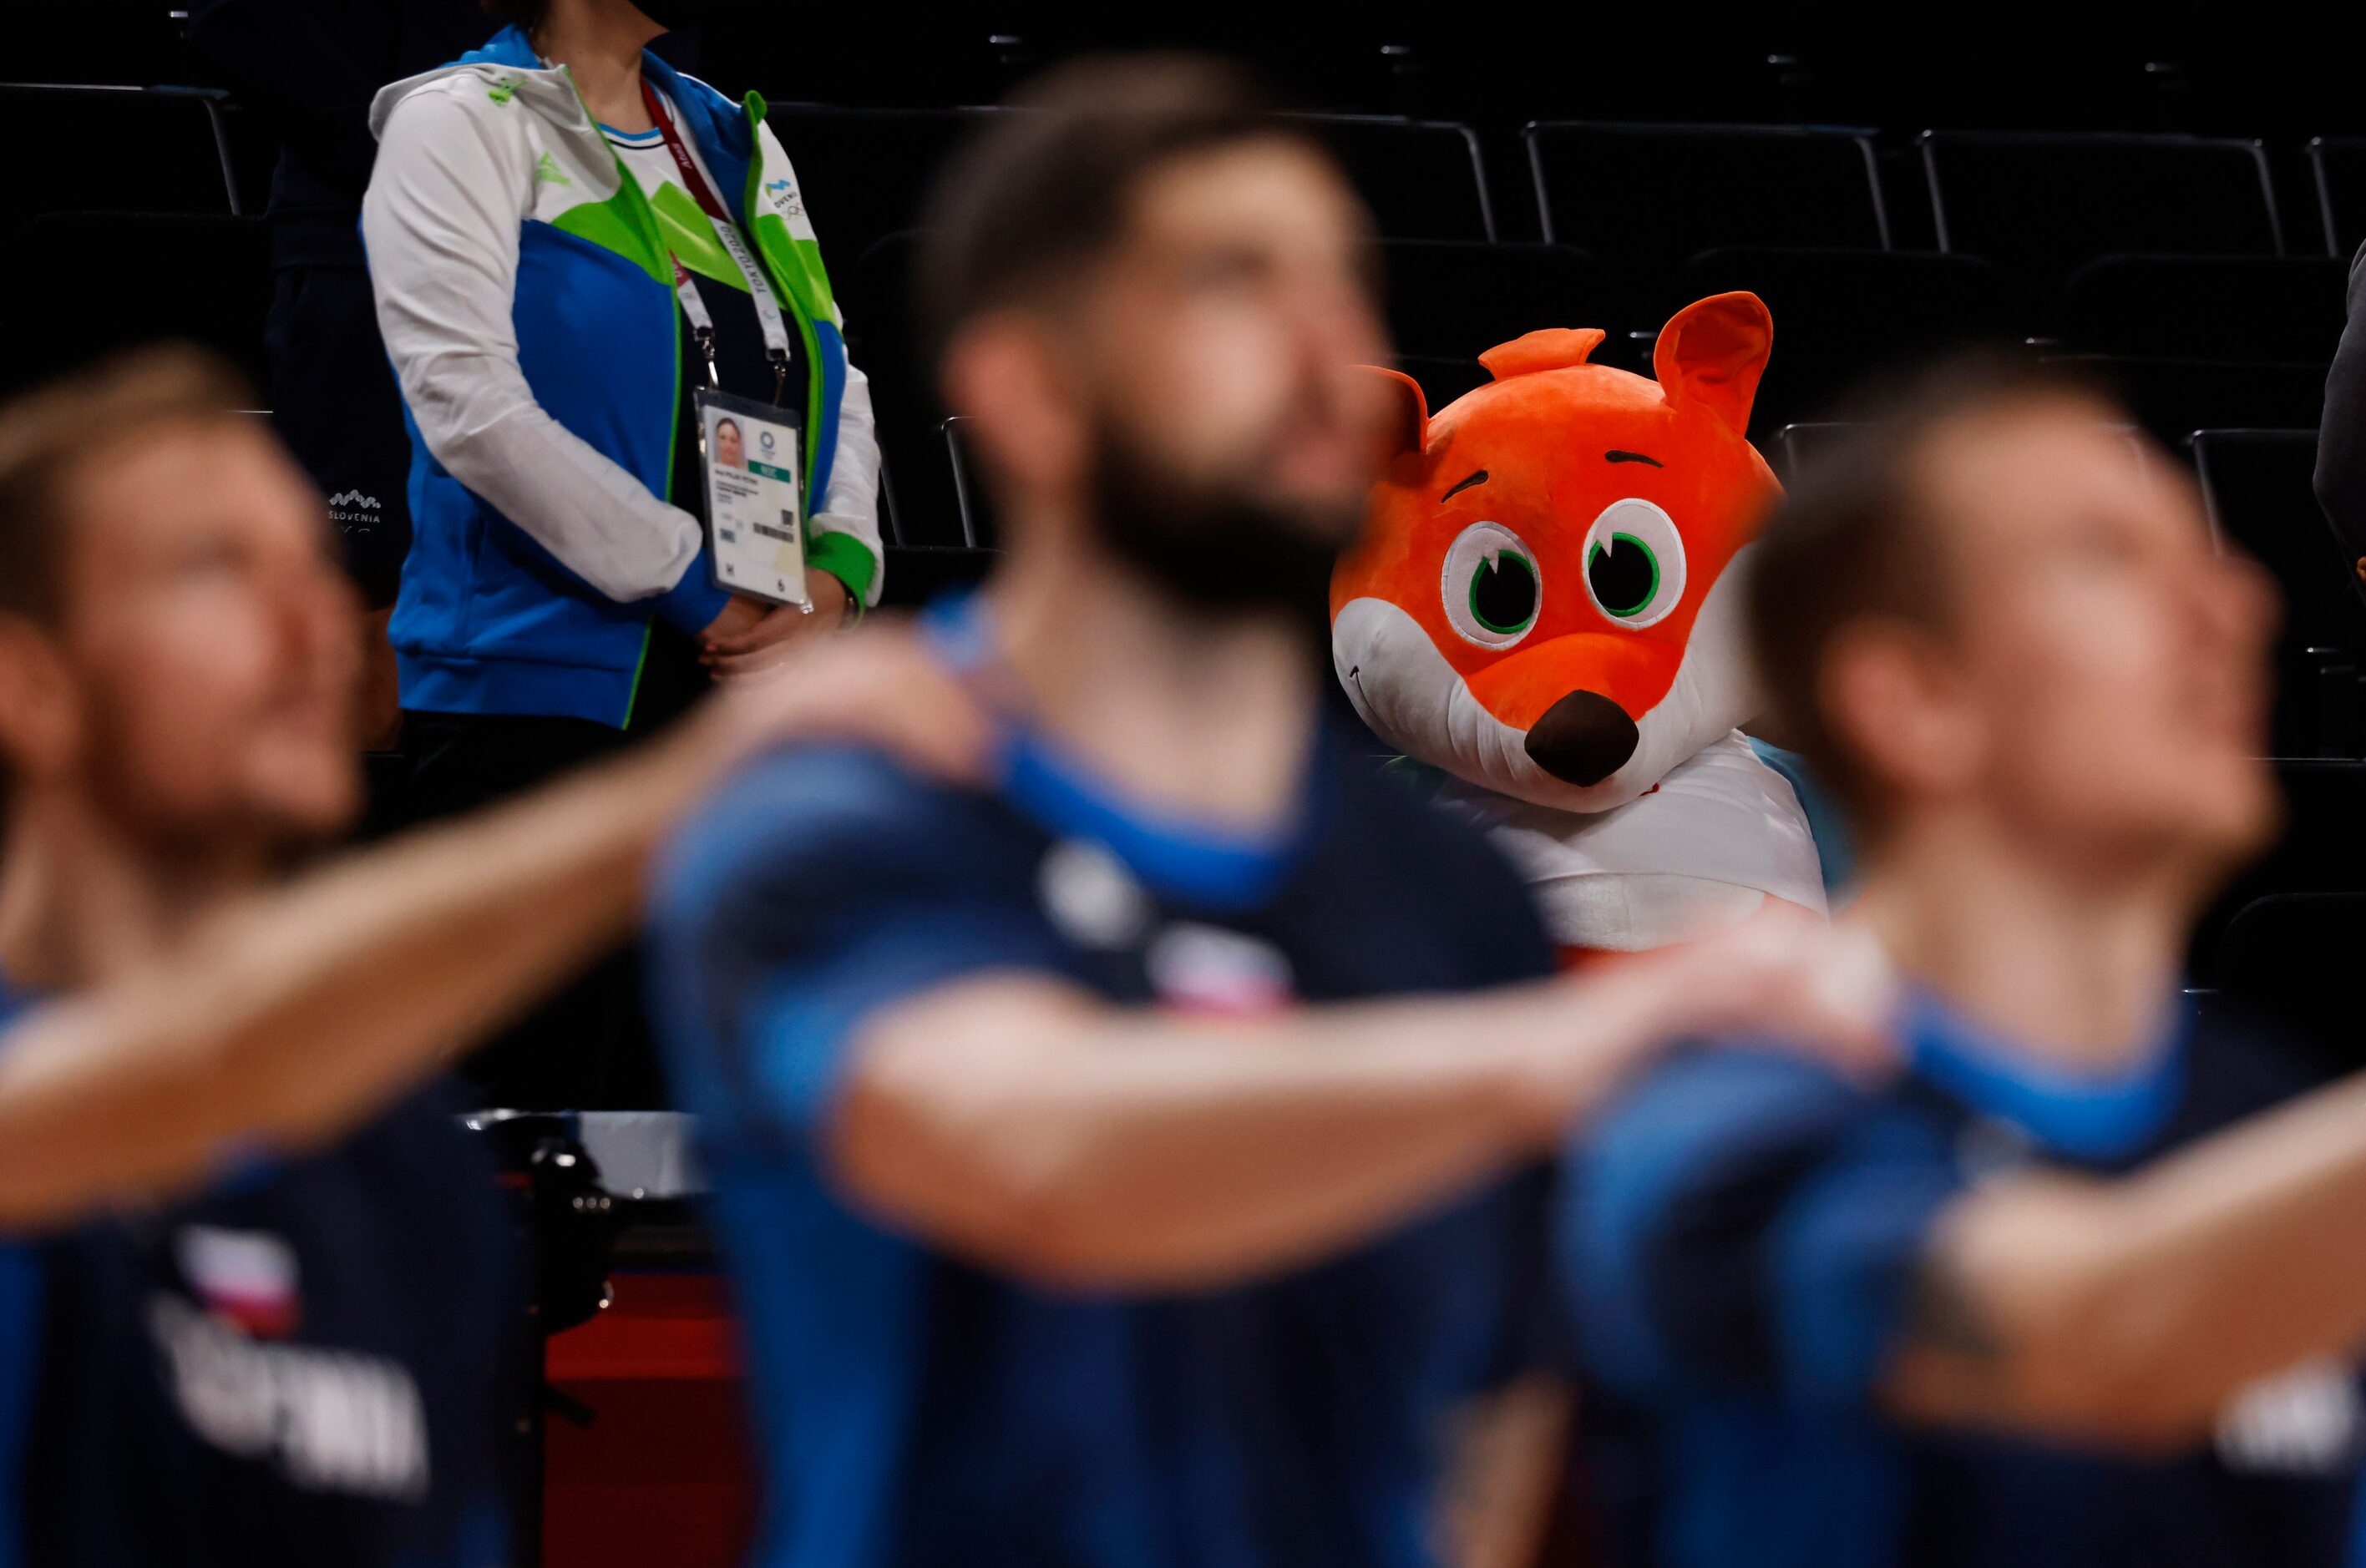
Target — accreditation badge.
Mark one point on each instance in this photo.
(755, 513)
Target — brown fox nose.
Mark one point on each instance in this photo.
(1584, 738)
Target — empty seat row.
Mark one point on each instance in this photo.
(2243, 339)
(1646, 197)
(2041, 204)
(2173, 339)
(152, 149)
(76, 285)
(1643, 198)
(867, 174)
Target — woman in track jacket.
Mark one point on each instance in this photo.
(566, 237)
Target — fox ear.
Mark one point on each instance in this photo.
(1406, 425)
(1713, 352)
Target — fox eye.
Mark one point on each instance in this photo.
(1634, 563)
(1492, 587)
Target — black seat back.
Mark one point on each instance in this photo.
(77, 286)
(1648, 196)
(96, 149)
(2338, 166)
(1423, 179)
(864, 174)
(875, 297)
(2257, 487)
(1842, 315)
(2173, 398)
(2042, 204)
(1458, 299)
(2294, 957)
(2277, 309)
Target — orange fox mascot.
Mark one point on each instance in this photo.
(1547, 604)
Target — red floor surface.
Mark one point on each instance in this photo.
(661, 1476)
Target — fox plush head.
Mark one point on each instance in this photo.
(1545, 601)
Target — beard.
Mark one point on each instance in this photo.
(1220, 550)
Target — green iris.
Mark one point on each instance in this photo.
(1504, 593)
(1624, 576)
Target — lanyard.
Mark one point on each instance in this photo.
(701, 323)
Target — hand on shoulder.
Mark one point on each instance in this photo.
(880, 685)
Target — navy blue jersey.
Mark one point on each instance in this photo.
(309, 1363)
(914, 1408)
(1742, 1237)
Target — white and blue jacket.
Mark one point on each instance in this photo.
(527, 303)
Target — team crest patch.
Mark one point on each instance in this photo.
(1208, 970)
(246, 1277)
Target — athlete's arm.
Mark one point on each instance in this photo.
(289, 1020)
(2131, 1310)
(1022, 1121)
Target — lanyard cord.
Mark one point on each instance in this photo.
(702, 324)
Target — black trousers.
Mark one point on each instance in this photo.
(588, 1047)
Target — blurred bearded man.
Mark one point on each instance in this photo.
(1089, 1203)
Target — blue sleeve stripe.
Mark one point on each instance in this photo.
(832, 356)
(1664, 1188)
(1844, 1256)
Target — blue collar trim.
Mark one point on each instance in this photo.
(2084, 1116)
(1184, 858)
(717, 125)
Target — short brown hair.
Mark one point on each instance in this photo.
(1043, 188)
(49, 433)
(1854, 540)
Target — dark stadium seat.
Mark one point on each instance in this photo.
(1795, 445)
(2256, 484)
(1648, 196)
(153, 149)
(2320, 849)
(914, 576)
(1442, 377)
(2275, 309)
(875, 295)
(1451, 298)
(2041, 205)
(2338, 163)
(1423, 179)
(2294, 957)
(1841, 316)
(250, 143)
(978, 527)
(2174, 398)
(865, 173)
(75, 285)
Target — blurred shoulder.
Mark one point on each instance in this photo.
(822, 818)
(1721, 1106)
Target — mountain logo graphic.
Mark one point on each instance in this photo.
(547, 172)
(353, 498)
